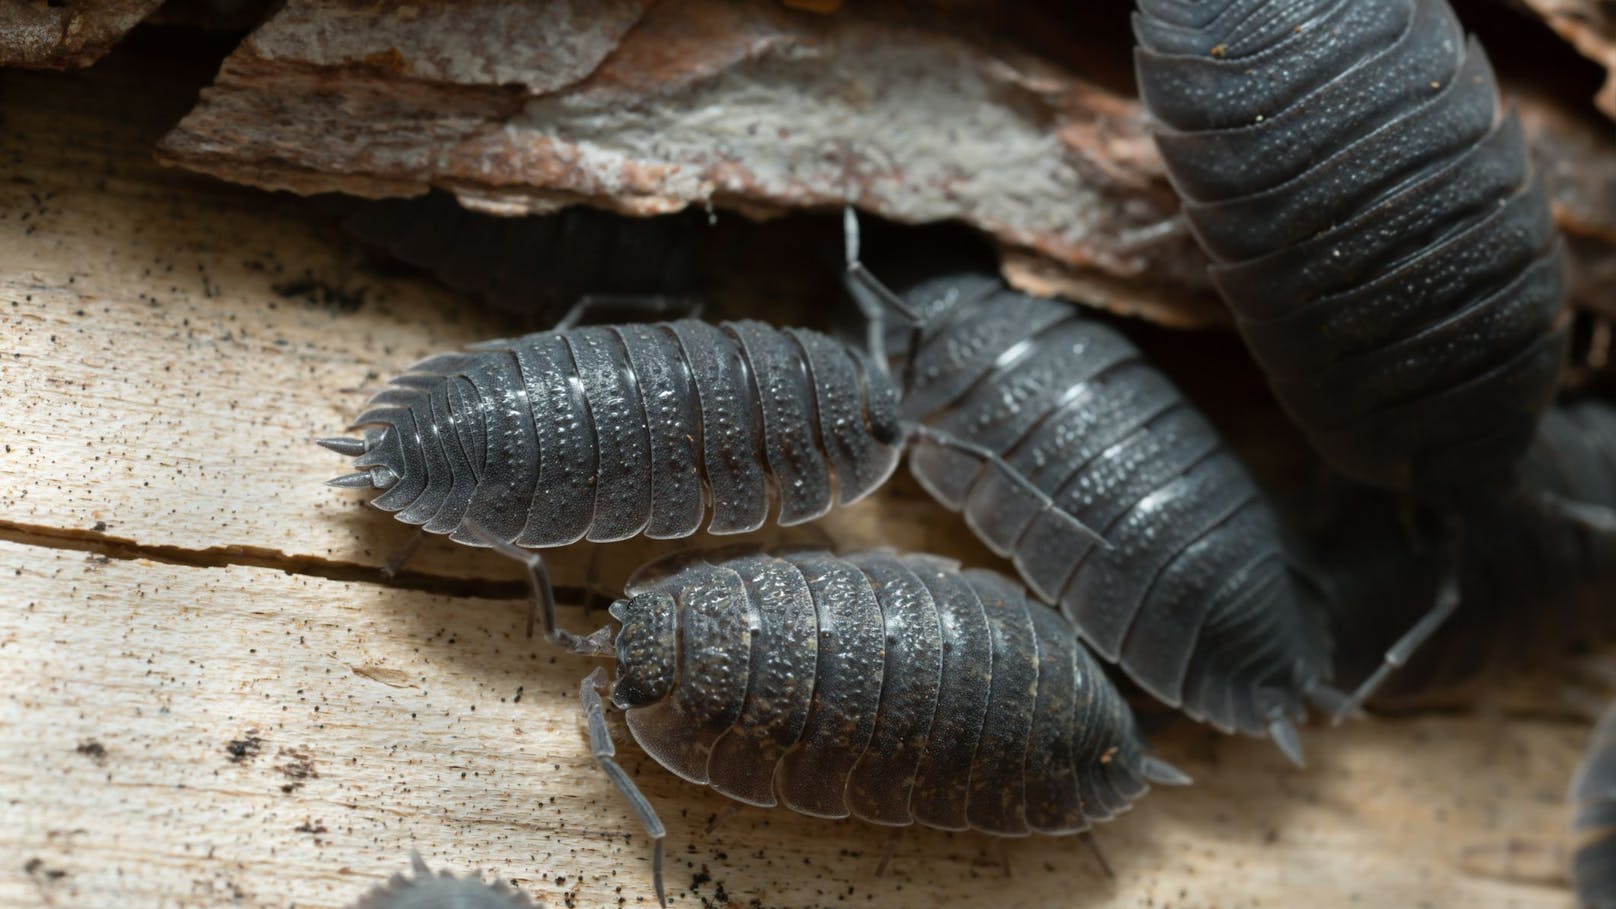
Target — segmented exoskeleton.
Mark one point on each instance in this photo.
(1532, 581)
(608, 432)
(535, 267)
(894, 688)
(1181, 576)
(1373, 222)
(1593, 795)
(423, 888)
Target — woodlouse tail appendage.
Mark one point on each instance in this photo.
(1593, 798)
(425, 889)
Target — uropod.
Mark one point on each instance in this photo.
(898, 689)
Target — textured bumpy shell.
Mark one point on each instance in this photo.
(1533, 584)
(1194, 598)
(1593, 795)
(607, 432)
(898, 689)
(1373, 220)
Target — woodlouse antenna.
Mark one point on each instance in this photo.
(873, 298)
(605, 752)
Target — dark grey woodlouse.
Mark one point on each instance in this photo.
(1191, 591)
(1534, 578)
(609, 432)
(1374, 223)
(893, 688)
(1593, 796)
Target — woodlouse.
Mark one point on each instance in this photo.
(1184, 579)
(1374, 224)
(609, 432)
(1593, 796)
(894, 688)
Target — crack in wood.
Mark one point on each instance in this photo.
(259, 557)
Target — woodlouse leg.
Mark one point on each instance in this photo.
(593, 591)
(873, 297)
(543, 609)
(538, 578)
(411, 546)
(1087, 838)
(1447, 602)
(1045, 503)
(645, 307)
(600, 745)
(888, 851)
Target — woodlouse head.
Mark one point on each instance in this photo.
(647, 647)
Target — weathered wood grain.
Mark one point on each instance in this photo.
(207, 698)
(199, 736)
(66, 33)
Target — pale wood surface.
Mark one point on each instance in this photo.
(174, 579)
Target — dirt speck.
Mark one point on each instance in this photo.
(392, 678)
(93, 750)
(297, 766)
(308, 826)
(244, 749)
(315, 292)
(38, 870)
